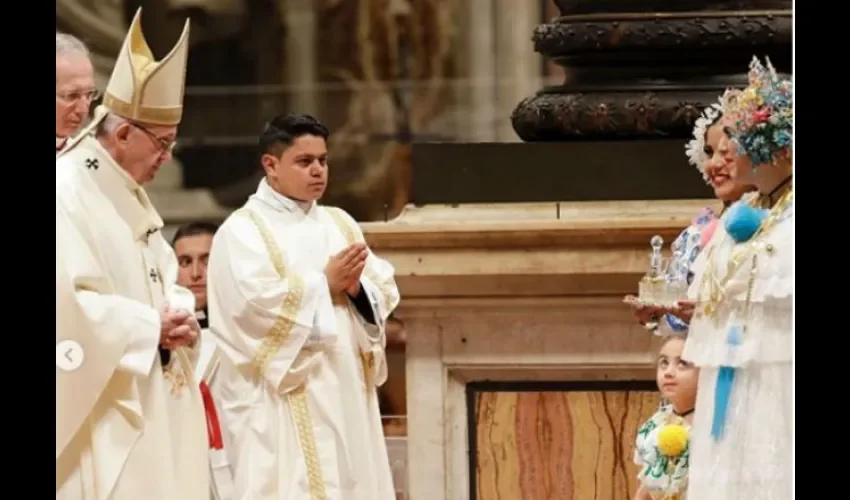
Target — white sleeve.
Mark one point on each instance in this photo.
(378, 282)
(116, 334)
(262, 312)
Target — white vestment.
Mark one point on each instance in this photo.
(299, 369)
(206, 366)
(126, 428)
(206, 371)
(753, 294)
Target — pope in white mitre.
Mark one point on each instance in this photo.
(299, 304)
(129, 419)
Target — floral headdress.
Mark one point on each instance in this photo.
(764, 114)
(695, 148)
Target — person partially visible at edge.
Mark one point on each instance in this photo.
(129, 421)
(741, 311)
(712, 154)
(661, 445)
(299, 306)
(75, 89)
(192, 244)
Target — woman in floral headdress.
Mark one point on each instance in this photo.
(742, 297)
(712, 154)
(662, 442)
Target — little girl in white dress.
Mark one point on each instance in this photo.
(662, 446)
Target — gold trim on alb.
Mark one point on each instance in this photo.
(299, 406)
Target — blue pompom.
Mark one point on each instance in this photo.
(742, 221)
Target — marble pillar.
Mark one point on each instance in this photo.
(519, 69)
(300, 55)
(477, 65)
(496, 65)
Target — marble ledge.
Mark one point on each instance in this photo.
(583, 332)
(529, 249)
(637, 367)
(520, 225)
(593, 308)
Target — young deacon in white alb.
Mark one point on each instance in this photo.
(130, 420)
(299, 304)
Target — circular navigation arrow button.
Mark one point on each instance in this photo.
(69, 355)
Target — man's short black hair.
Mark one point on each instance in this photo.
(281, 131)
(194, 229)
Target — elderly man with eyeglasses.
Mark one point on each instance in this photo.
(75, 89)
(130, 419)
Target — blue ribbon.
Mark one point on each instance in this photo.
(723, 387)
(722, 391)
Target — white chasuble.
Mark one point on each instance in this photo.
(299, 369)
(127, 428)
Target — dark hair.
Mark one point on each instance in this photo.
(194, 229)
(281, 131)
(714, 122)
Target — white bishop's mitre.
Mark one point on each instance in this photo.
(143, 89)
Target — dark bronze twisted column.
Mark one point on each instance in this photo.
(640, 69)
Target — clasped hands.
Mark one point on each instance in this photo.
(344, 269)
(178, 328)
(683, 309)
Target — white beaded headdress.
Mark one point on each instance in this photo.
(695, 148)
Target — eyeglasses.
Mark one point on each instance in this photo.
(78, 95)
(163, 144)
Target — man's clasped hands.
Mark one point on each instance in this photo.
(344, 269)
(178, 328)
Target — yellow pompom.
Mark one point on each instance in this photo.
(672, 440)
